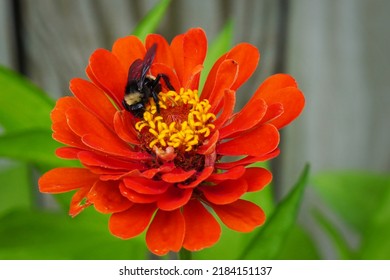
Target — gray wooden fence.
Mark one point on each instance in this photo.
(337, 50)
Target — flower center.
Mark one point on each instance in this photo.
(183, 122)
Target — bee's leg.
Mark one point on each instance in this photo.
(166, 80)
(155, 98)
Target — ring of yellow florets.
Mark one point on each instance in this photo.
(183, 123)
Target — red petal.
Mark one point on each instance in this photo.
(273, 111)
(242, 215)
(234, 173)
(203, 175)
(194, 53)
(166, 232)
(260, 141)
(178, 54)
(226, 76)
(229, 100)
(65, 179)
(67, 152)
(79, 202)
(93, 99)
(202, 230)
(128, 49)
(145, 186)
(137, 197)
(248, 160)
(282, 88)
(132, 222)
(174, 198)
(247, 118)
(121, 150)
(107, 198)
(247, 57)
(61, 131)
(166, 167)
(124, 127)
(177, 175)
(109, 73)
(257, 178)
(163, 52)
(93, 159)
(225, 192)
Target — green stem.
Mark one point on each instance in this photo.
(185, 254)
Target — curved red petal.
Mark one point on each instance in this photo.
(64, 179)
(233, 173)
(67, 152)
(145, 186)
(273, 111)
(79, 202)
(242, 215)
(203, 175)
(177, 175)
(225, 78)
(132, 222)
(94, 100)
(248, 160)
(282, 88)
(128, 49)
(166, 232)
(247, 118)
(209, 144)
(109, 73)
(135, 197)
(225, 192)
(124, 127)
(93, 159)
(257, 178)
(194, 53)
(229, 100)
(174, 198)
(163, 52)
(202, 229)
(178, 54)
(259, 141)
(247, 57)
(61, 131)
(106, 197)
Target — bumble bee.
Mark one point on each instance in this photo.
(141, 86)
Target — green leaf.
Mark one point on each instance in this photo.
(217, 48)
(23, 105)
(34, 146)
(150, 22)
(353, 195)
(298, 246)
(15, 186)
(336, 237)
(269, 241)
(376, 241)
(42, 235)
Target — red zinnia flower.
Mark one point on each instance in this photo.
(164, 172)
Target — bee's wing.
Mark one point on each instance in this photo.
(135, 70)
(147, 62)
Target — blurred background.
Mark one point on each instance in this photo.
(337, 51)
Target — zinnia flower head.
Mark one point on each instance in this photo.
(165, 172)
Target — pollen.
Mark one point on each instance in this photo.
(183, 123)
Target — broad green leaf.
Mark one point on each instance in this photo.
(15, 187)
(298, 246)
(34, 146)
(269, 241)
(217, 48)
(150, 22)
(23, 105)
(376, 241)
(353, 195)
(42, 235)
(339, 242)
